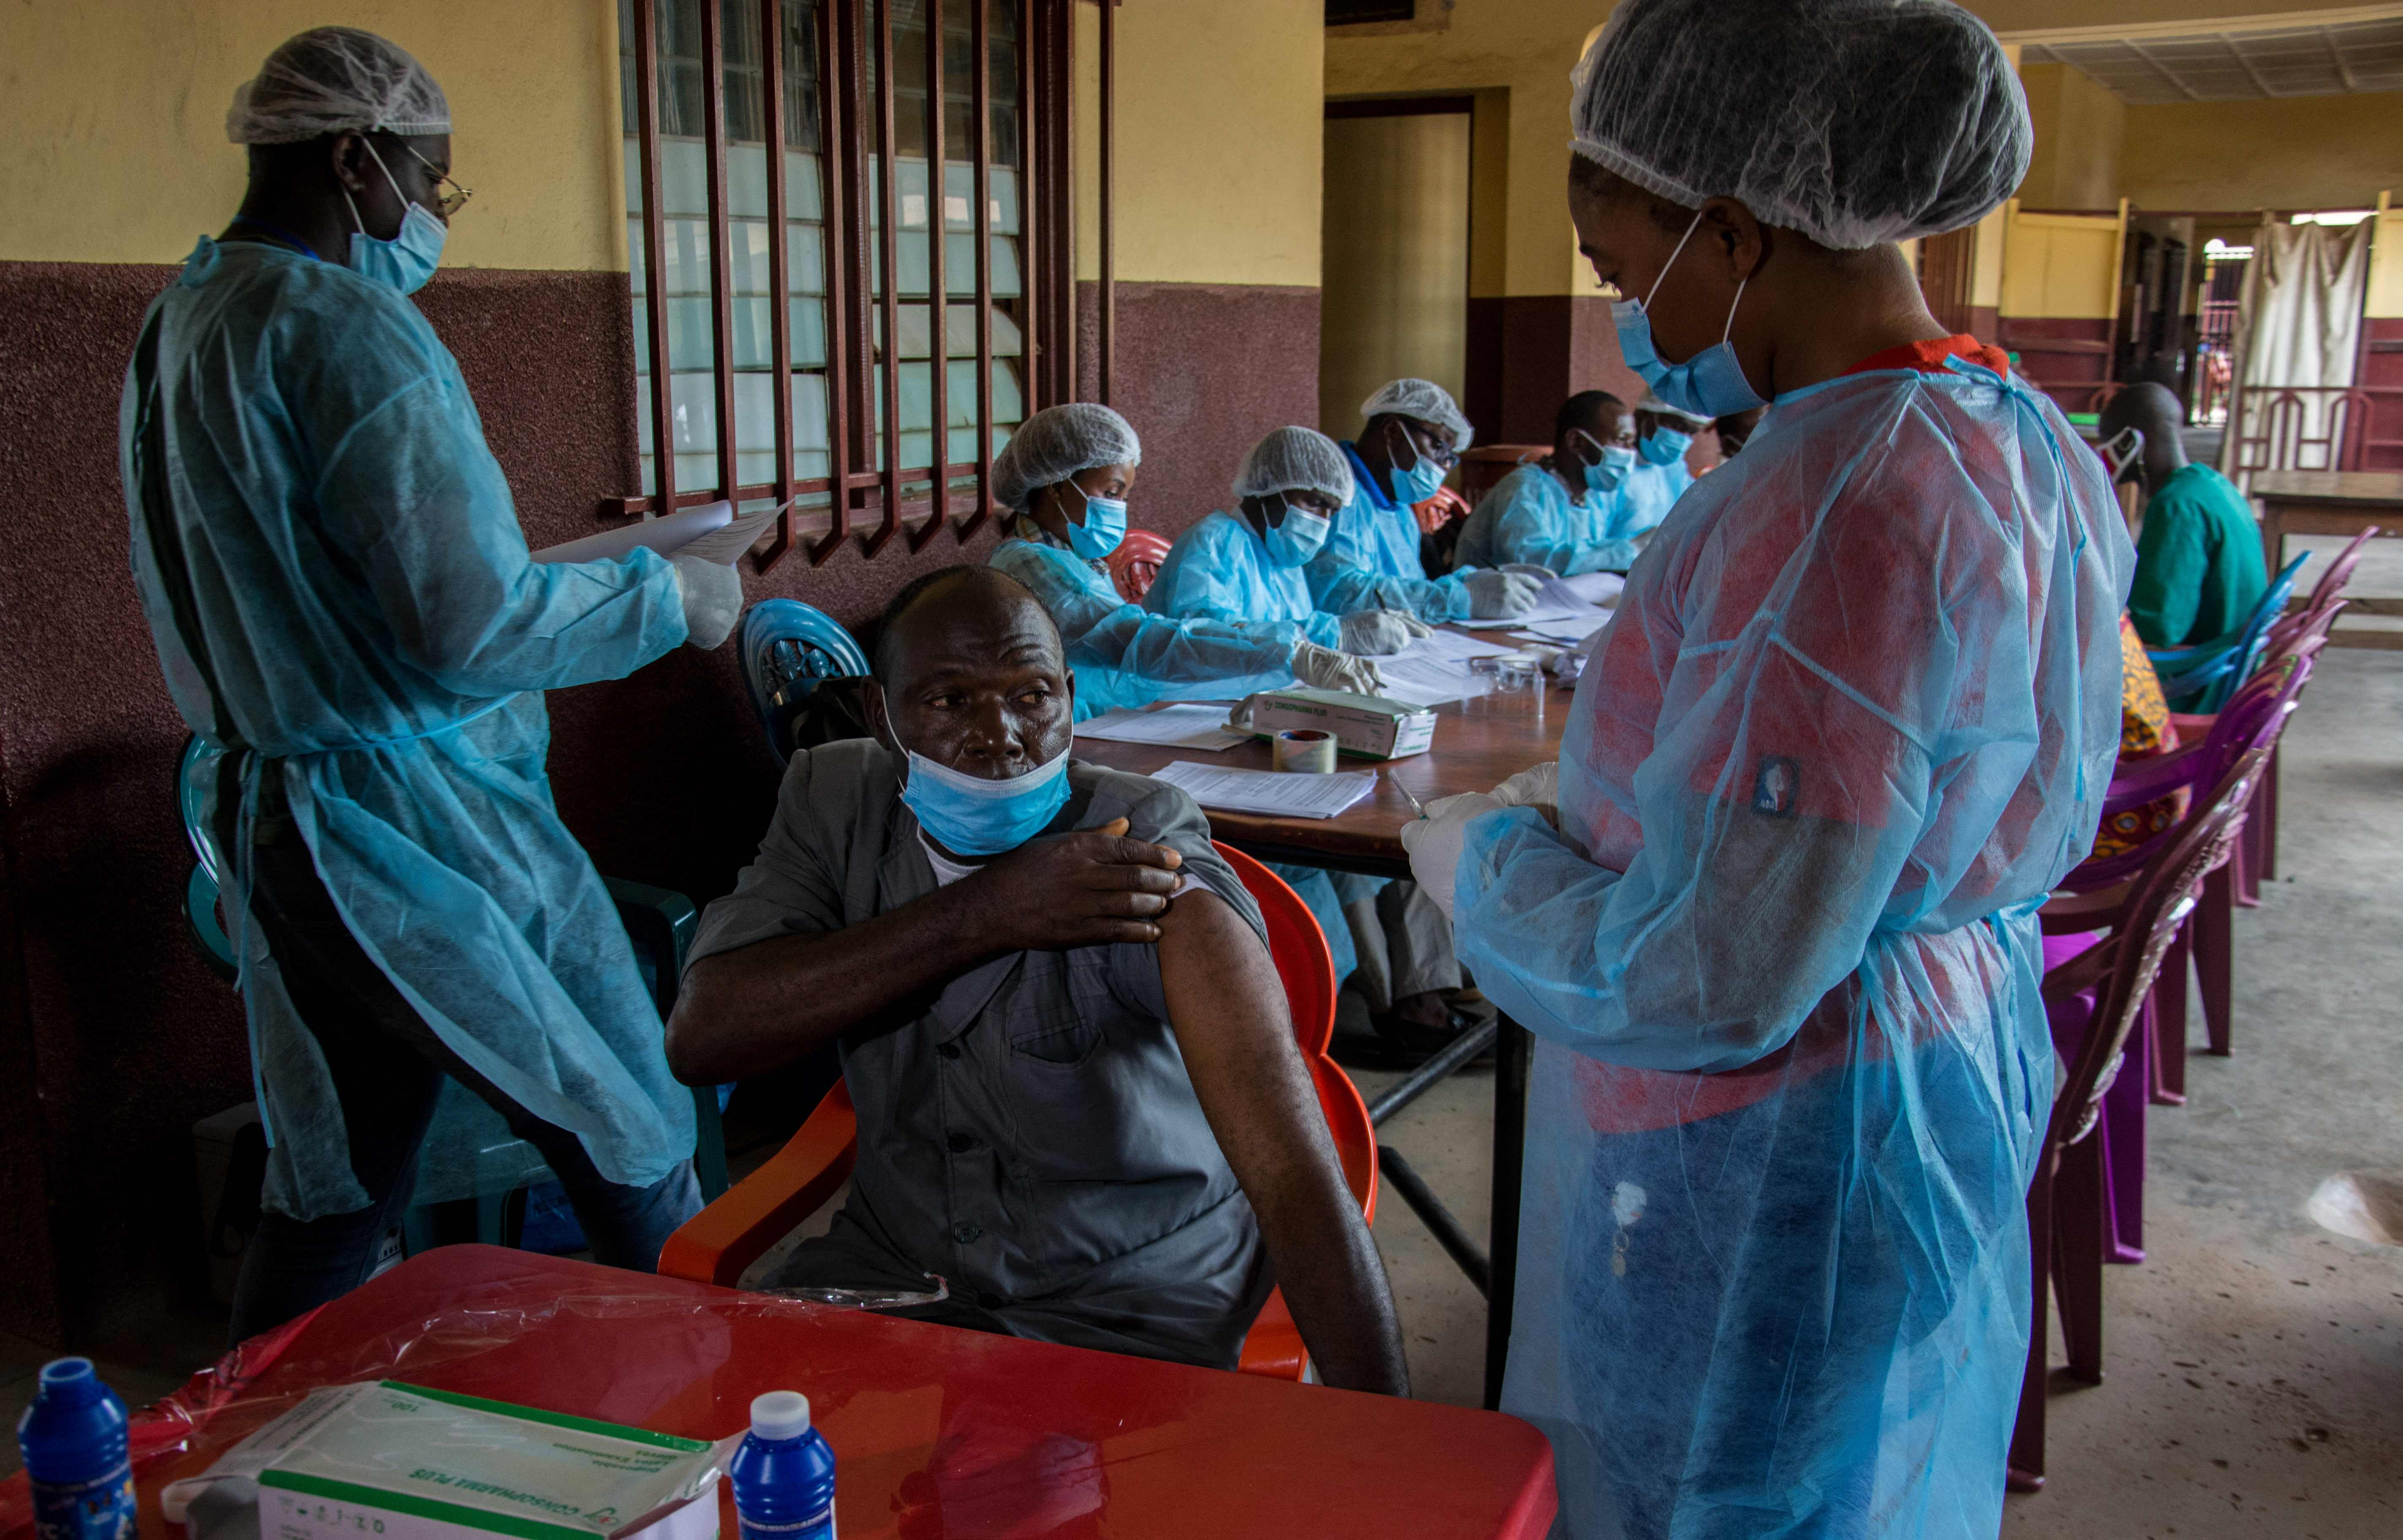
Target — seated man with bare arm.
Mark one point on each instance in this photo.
(1080, 1101)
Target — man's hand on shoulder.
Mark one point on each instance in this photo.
(1088, 889)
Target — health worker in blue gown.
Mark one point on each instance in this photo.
(347, 617)
(1663, 435)
(1068, 471)
(1412, 436)
(1773, 914)
(1556, 512)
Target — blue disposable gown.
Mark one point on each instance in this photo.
(1219, 569)
(1529, 519)
(1124, 655)
(1371, 560)
(1645, 497)
(1854, 717)
(380, 638)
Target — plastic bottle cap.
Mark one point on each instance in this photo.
(71, 1382)
(779, 1415)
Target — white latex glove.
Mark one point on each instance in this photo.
(1499, 595)
(1435, 843)
(1324, 668)
(1380, 632)
(712, 600)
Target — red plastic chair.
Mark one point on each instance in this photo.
(1136, 563)
(718, 1244)
(2095, 1000)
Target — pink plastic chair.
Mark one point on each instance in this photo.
(2318, 614)
(2096, 1000)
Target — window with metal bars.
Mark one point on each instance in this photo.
(761, 224)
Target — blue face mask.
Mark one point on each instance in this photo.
(969, 816)
(1418, 481)
(1664, 446)
(407, 260)
(1605, 475)
(1710, 383)
(1302, 537)
(1105, 526)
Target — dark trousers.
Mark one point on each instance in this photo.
(387, 1067)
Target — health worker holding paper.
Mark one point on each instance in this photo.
(1772, 916)
(347, 617)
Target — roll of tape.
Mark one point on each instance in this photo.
(1304, 749)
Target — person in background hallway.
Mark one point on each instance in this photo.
(1663, 434)
(1554, 512)
(1067, 470)
(1386, 937)
(346, 614)
(1412, 438)
(1773, 914)
(2198, 568)
(1736, 427)
(1080, 1098)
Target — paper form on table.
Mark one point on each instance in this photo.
(1175, 727)
(1284, 794)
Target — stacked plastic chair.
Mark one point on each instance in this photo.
(2101, 993)
(2201, 677)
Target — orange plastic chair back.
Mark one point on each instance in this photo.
(1136, 563)
(719, 1243)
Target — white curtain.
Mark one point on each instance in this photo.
(2299, 326)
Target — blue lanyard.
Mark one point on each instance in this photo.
(281, 234)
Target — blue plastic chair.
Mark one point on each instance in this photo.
(788, 649)
(660, 923)
(2200, 678)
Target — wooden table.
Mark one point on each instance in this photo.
(1473, 750)
(936, 1431)
(2333, 501)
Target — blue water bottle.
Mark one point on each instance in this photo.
(783, 1473)
(72, 1441)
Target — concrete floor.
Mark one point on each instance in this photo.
(2254, 1382)
(2254, 1362)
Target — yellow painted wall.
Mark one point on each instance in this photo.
(2297, 152)
(113, 115)
(1218, 146)
(2079, 125)
(2385, 298)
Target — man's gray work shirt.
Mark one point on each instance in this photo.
(1028, 1133)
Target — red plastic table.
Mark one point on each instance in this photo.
(940, 1433)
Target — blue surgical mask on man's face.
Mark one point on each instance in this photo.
(1664, 446)
(969, 816)
(407, 260)
(1422, 478)
(1605, 474)
(1300, 537)
(1712, 382)
(1104, 529)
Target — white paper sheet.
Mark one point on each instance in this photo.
(1596, 587)
(710, 532)
(1202, 727)
(1565, 630)
(1283, 793)
(1557, 601)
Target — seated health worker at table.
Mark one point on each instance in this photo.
(1554, 512)
(1288, 488)
(346, 613)
(1663, 434)
(1776, 928)
(1068, 471)
(2199, 571)
(1411, 439)
(1080, 1098)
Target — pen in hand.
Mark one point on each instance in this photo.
(1415, 803)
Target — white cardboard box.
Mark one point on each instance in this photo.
(1367, 726)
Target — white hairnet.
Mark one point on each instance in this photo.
(335, 80)
(1424, 400)
(1854, 121)
(1056, 443)
(1292, 459)
(1657, 407)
